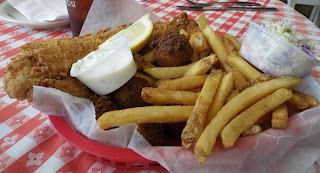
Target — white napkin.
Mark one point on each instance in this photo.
(41, 10)
(101, 16)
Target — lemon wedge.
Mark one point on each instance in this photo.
(138, 33)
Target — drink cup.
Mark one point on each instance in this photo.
(78, 10)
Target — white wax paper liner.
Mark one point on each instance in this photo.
(111, 14)
(293, 149)
(316, 73)
(41, 10)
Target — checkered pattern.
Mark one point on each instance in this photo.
(28, 142)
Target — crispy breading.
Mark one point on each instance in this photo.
(172, 49)
(162, 134)
(129, 95)
(102, 104)
(179, 22)
(48, 63)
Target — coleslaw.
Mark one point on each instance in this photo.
(283, 29)
(273, 54)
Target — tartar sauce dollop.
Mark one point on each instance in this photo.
(107, 68)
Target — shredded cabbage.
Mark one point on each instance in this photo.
(283, 28)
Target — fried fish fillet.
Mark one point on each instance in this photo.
(48, 63)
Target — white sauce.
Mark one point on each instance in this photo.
(89, 61)
(107, 68)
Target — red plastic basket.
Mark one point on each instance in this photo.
(121, 158)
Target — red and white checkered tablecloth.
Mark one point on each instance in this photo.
(29, 143)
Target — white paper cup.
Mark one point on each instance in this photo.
(109, 73)
(274, 55)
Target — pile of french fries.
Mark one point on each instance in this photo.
(220, 95)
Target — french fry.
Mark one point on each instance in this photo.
(148, 114)
(220, 96)
(158, 96)
(202, 21)
(214, 40)
(195, 123)
(243, 66)
(149, 79)
(253, 130)
(247, 118)
(141, 63)
(232, 94)
(280, 117)
(297, 103)
(183, 83)
(205, 54)
(167, 72)
(301, 101)
(229, 45)
(184, 32)
(261, 78)
(235, 42)
(149, 58)
(202, 66)
(160, 81)
(216, 44)
(239, 79)
(237, 104)
(198, 42)
(313, 102)
(195, 56)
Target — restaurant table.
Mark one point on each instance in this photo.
(28, 141)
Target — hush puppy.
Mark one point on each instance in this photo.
(129, 95)
(102, 104)
(172, 49)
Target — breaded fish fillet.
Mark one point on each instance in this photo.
(48, 63)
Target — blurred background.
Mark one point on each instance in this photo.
(304, 9)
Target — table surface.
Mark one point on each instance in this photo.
(28, 141)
